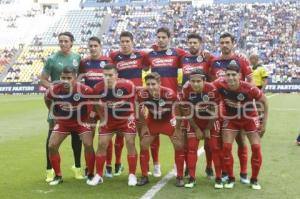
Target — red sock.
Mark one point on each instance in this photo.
(132, 160)
(179, 161)
(228, 158)
(155, 149)
(243, 157)
(216, 151)
(193, 144)
(90, 162)
(256, 160)
(208, 154)
(109, 153)
(100, 160)
(186, 155)
(119, 143)
(144, 161)
(55, 162)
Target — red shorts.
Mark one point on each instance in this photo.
(214, 132)
(249, 125)
(119, 126)
(67, 128)
(166, 127)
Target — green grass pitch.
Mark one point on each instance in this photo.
(23, 130)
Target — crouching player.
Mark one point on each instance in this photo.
(200, 105)
(116, 101)
(240, 116)
(70, 112)
(161, 105)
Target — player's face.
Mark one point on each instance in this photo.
(152, 86)
(162, 40)
(68, 79)
(95, 49)
(126, 45)
(65, 43)
(232, 78)
(110, 77)
(226, 45)
(197, 82)
(194, 46)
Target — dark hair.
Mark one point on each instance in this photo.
(194, 36)
(227, 34)
(110, 67)
(153, 75)
(68, 34)
(94, 38)
(165, 30)
(197, 71)
(69, 69)
(233, 65)
(126, 34)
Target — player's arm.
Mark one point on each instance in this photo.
(44, 78)
(48, 98)
(263, 100)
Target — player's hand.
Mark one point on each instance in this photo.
(199, 133)
(207, 133)
(144, 131)
(178, 133)
(262, 131)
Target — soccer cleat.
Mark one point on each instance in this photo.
(118, 169)
(108, 172)
(49, 175)
(157, 171)
(224, 178)
(95, 180)
(56, 180)
(191, 183)
(209, 173)
(89, 177)
(132, 181)
(255, 185)
(77, 173)
(143, 181)
(179, 182)
(230, 183)
(244, 179)
(219, 184)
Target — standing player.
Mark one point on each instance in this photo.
(216, 70)
(130, 63)
(201, 106)
(240, 116)
(117, 99)
(260, 74)
(91, 70)
(159, 101)
(166, 62)
(51, 73)
(70, 112)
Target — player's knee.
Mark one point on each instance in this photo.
(52, 146)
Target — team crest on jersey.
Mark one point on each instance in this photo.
(199, 59)
(169, 52)
(205, 98)
(102, 64)
(120, 92)
(76, 97)
(161, 102)
(75, 62)
(240, 97)
(133, 56)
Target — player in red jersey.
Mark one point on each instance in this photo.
(240, 116)
(161, 118)
(130, 64)
(201, 101)
(70, 112)
(216, 70)
(91, 71)
(196, 58)
(116, 97)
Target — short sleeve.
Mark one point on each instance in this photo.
(48, 67)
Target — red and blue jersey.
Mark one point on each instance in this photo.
(190, 62)
(130, 66)
(218, 64)
(166, 64)
(92, 69)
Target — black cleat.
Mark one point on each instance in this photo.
(143, 181)
(179, 182)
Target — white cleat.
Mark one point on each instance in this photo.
(157, 171)
(95, 181)
(255, 186)
(132, 181)
(244, 180)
